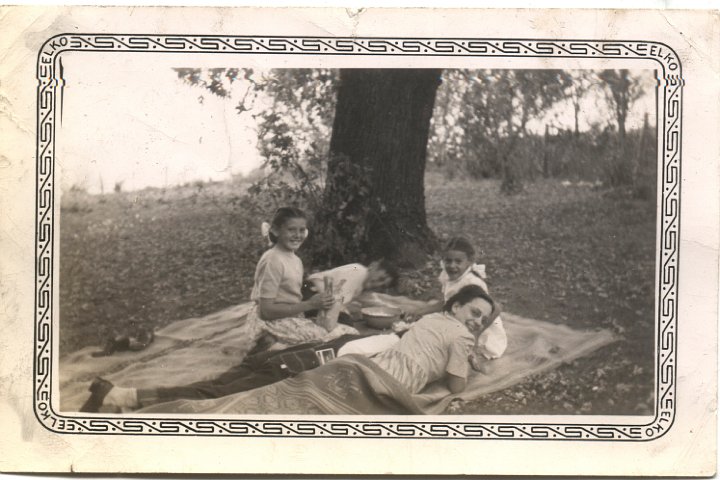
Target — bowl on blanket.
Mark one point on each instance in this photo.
(380, 317)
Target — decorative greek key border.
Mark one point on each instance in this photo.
(669, 127)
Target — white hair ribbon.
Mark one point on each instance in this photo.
(265, 232)
(443, 277)
(480, 270)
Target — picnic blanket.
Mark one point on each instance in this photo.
(349, 385)
(202, 348)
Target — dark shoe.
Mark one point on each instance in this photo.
(98, 391)
(112, 345)
(141, 341)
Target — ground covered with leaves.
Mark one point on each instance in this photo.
(563, 253)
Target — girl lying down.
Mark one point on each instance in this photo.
(435, 348)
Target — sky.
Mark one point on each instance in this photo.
(136, 123)
(131, 122)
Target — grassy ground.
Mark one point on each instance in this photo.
(564, 254)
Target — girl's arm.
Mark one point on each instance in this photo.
(434, 306)
(272, 310)
(456, 370)
(456, 384)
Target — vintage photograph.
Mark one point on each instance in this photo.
(356, 241)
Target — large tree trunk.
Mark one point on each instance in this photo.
(511, 182)
(374, 197)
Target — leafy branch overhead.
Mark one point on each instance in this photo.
(479, 114)
(485, 123)
(220, 82)
(293, 111)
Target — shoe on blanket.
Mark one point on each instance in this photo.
(98, 391)
(141, 341)
(119, 343)
(123, 343)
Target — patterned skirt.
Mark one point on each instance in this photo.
(295, 330)
(402, 368)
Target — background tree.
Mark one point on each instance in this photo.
(293, 110)
(351, 146)
(374, 202)
(451, 148)
(581, 82)
(500, 103)
(294, 134)
(622, 90)
(366, 186)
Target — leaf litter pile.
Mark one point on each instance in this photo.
(570, 254)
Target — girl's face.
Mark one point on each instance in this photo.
(472, 313)
(292, 234)
(456, 263)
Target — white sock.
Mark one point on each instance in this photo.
(121, 397)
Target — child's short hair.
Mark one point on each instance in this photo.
(460, 244)
(282, 215)
(467, 294)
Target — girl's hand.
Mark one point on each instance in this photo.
(417, 313)
(321, 301)
(479, 325)
(475, 363)
(410, 317)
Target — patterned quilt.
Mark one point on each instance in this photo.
(202, 348)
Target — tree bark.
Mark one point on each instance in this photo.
(381, 128)
(511, 182)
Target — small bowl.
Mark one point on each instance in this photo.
(381, 318)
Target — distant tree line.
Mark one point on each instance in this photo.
(481, 120)
(479, 125)
(353, 145)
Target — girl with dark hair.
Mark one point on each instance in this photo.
(349, 282)
(277, 319)
(278, 283)
(437, 346)
(459, 270)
